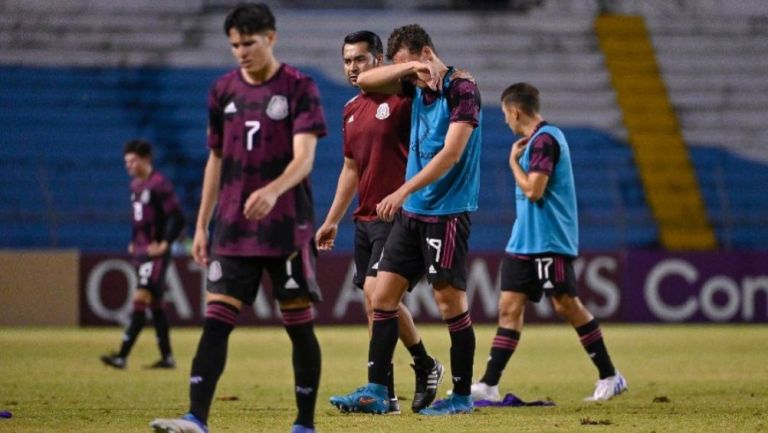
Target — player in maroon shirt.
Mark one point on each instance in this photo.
(265, 119)
(157, 222)
(376, 136)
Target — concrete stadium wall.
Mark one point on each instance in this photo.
(38, 287)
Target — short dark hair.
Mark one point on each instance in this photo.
(138, 146)
(372, 39)
(524, 95)
(250, 18)
(413, 37)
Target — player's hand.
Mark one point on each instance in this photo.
(157, 249)
(426, 73)
(388, 207)
(130, 248)
(462, 74)
(517, 150)
(200, 247)
(325, 236)
(259, 203)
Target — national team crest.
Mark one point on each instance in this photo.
(145, 196)
(277, 109)
(383, 111)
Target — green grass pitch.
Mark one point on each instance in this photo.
(682, 379)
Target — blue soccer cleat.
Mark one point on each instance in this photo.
(298, 428)
(454, 404)
(186, 424)
(371, 398)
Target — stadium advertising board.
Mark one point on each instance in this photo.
(106, 284)
(628, 287)
(695, 287)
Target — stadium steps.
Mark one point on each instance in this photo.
(715, 66)
(670, 183)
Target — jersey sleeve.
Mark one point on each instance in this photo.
(171, 209)
(168, 200)
(545, 152)
(308, 116)
(464, 102)
(215, 121)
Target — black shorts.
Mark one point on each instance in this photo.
(435, 246)
(292, 276)
(537, 274)
(151, 274)
(370, 237)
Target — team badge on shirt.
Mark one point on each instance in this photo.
(145, 196)
(278, 107)
(383, 111)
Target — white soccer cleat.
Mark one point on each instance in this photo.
(481, 391)
(185, 424)
(609, 387)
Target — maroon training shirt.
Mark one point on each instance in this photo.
(154, 202)
(376, 134)
(253, 128)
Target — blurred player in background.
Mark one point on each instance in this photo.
(157, 222)
(265, 119)
(376, 131)
(431, 233)
(544, 242)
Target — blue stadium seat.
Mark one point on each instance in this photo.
(92, 112)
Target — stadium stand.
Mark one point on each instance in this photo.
(715, 68)
(94, 74)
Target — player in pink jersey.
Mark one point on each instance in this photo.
(157, 222)
(265, 119)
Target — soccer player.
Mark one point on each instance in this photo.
(157, 222)
(430, 234)
(265, 118)
(544, 242)
(376, 131)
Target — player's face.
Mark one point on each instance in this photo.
(404, 56)
(135, 165)
(357, 59)
(512, 117)
(253, 52)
